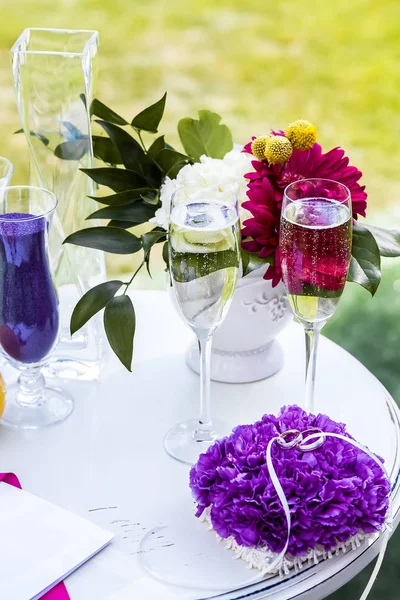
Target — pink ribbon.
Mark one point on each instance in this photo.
(58, 592)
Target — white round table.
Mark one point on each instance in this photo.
(107, 462)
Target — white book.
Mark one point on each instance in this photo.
(41, 543)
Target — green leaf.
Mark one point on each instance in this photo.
(156, 147)
(153, 237)
(72, 150)
(388, 240)
(131, 152)
(152, 197)
(365, 263)
(108, 239)
(119, 324)
(136, 213)
(149, 239)
(39, 136)
(42, 138)
(104, 150)
(122, 198)
(119, 180)
(165, 254)
(205, 136)
(98, 109)
(83, 98)
(153, 175)
(93, 301)
(171, 161)
(251, 262)
(149, 119)
(187, 266)
(120, 224)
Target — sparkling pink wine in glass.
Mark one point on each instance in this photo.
(315, 244)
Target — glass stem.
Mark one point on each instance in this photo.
(31, 387)
(312, 337)
(203, 432)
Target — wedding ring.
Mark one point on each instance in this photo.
(294, 434)
(312, 433)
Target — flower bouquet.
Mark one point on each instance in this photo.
(289, 490)
(143, 175)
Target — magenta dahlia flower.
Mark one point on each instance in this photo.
(265, 192)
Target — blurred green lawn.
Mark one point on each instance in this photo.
(260, 64)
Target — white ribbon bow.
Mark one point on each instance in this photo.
(314, 439)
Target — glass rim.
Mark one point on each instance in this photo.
(341, 201)
(8, 188)
(93, 37)
(5, 160)
(234, 192)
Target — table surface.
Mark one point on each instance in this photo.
(107, 461)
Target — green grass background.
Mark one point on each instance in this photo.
(260, 64)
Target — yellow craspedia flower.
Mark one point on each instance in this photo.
(278, 149)
(302, 134)
(258, 147)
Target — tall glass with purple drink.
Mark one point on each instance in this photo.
(315, 246)
(29, 311)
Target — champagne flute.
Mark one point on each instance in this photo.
(204, 257)
(315, 247)
(29, 311)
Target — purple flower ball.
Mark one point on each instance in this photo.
(333, 492)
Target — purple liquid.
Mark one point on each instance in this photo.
(29, 318)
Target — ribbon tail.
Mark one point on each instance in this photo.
(281, 495)
(388, 531)
(378, 565)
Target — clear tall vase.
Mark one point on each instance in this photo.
(54, 74)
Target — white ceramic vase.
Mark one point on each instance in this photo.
(244, 347)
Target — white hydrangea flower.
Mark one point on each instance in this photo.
(194, 181)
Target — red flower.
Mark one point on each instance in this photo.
(265, 192)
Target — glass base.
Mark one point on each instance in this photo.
(69, 368)
(71, 344)
(183, 553)
(56, 406)
(181, 444)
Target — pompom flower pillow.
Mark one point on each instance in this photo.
(337, 494)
